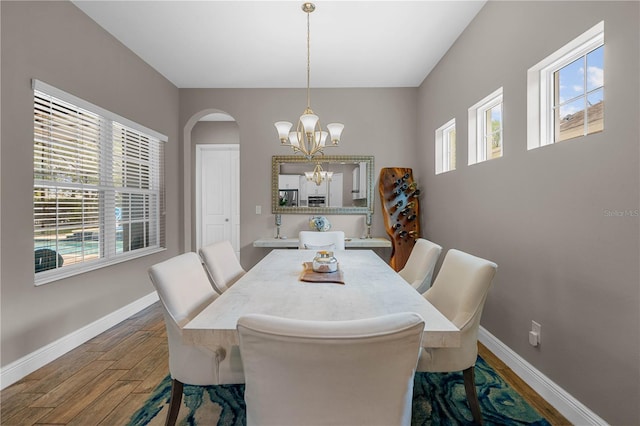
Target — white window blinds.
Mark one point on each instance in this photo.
(98, 187)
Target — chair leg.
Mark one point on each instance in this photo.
(472, 396)
(174, 402)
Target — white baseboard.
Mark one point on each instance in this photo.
(576, 412)
(20, 368)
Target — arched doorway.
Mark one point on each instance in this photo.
(211, 164)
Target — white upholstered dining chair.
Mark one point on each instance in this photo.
(418, 270)
(222, 265)
(184, 290)
(459, 292)
(357, 372)
(316, 240)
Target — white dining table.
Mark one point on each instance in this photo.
(371, 288)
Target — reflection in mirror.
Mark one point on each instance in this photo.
(328, 184)
(325, 185)
(332, 187)
(288, 198)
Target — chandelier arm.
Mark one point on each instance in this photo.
(302, 139)
(315, 139)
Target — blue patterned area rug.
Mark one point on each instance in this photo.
(438, 399)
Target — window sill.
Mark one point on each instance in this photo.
(46, 277)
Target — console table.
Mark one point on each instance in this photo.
(355, 242)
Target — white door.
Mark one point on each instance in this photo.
(217, 195)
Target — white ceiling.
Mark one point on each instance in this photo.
(249, 44)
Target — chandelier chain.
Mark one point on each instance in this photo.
(308, 61)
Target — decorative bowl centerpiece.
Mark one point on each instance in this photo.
(319, 223)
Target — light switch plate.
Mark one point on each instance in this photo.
(258, 209)
(534, 334)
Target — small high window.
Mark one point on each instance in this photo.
(485, 128)
(446, 147)
(566, 91)
(578, 101)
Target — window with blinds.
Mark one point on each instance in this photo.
(98, 194)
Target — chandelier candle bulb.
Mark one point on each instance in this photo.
(293, 140)
(335, 130)
(283, 128)
(322, 137)
(309, 122)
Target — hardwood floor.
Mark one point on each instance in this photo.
(535, 400)
(104, 381)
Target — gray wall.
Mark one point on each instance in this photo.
(56, 43)
(379, 122)
(541, 214)
(214, 132)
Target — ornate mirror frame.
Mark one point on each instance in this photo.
(278, 160)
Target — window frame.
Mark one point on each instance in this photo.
(105, 186)
(443, 147)
(541, 85)
(478, 131)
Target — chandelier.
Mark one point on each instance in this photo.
(308, 138)
(318, 175)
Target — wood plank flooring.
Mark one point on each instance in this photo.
(104, 381)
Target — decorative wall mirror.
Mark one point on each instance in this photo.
(342, 184)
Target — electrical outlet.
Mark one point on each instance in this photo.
(534, 334)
